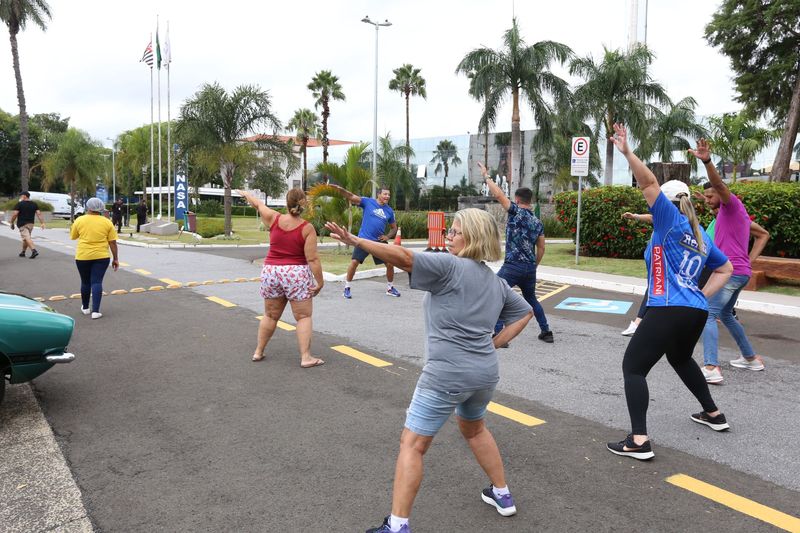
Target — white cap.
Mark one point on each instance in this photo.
(95, 204)
(673, 189)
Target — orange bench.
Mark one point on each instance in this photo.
(768, 270)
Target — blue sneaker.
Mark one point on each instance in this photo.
(393, 292)
(347, 293)
(503, 504)
(386, 529)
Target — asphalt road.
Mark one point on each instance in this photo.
(167, 425)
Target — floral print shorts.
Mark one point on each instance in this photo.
(293, 282)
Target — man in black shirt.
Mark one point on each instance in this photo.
(24, 213)
(118, 212)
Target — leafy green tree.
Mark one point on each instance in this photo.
(390, 169)
(519, 70)
(214, 122)
(305, 124)
(76, 162)
(762, 39)
(735, 138)
(16, 14)
(325, 87)
(671, 131)
(617, 89)
(445, 155)
(481, 90)
(408, 82)
(9, 154)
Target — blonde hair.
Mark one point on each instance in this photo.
(688, 209)
(481, 235)
(295, 202)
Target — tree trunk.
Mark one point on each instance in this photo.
(408, 139)
(23, 114)
(304, 183)
(780, 168)
(444, 185)
(608, 174)
(325, 112)
(72, 200)
(513, 177)
(226, 172)
(486, 148)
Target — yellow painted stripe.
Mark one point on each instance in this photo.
(192, 284)
(546, 296)
(361, 356)
(239, 280)
(156, 288)
(137, 289)
(224, 280)
(75, 296)
(255, 279)
(142, 271)
(736, 502)
(39, 299)
(512, 414)
(169, 281)
(220, 301)
(123, 264)
(208, 282)
(285, 326)
(57, 298)
(175, 286)
(119, 291)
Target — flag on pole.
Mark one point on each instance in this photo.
(158, 51)
(147, 57)
(167, 59)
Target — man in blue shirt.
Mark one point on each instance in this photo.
(377, 214)
(524, 249)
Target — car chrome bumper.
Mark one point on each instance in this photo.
(66, 357)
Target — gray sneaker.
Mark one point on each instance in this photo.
(755, 363)
(713, 376)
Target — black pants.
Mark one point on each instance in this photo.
(117, 221)
(673, 331)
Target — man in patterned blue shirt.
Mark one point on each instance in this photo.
(524, 249)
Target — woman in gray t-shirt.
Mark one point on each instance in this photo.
(464, 301)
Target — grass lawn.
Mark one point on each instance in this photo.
(787, 290)
(563, 255)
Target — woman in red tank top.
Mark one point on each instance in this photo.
(292, 273)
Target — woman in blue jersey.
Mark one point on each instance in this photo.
(676, 307)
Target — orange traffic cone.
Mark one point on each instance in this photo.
(398, 238)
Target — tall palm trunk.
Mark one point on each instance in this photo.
(444, 184)
(514, 178)
(305, 163)
(780, 168)
(226, 172)
(486, 147)
(325, 113)
(72, 199)
(408, 147)
(23, 114)
(608, 175)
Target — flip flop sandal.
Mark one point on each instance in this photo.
(318, 362)
(256, 358)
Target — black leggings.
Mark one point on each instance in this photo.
(670, 330)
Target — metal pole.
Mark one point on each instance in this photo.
(578, 229)
(375, 120)
(152, 161)
(114, 172)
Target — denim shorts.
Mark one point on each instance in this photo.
(430, 409)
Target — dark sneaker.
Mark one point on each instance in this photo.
(347, 293)
(630, 449)
(386, 529)
(717, 423)
(393, 292)
(546, 336)
(34, 254)
(22, 254)
(504, 504)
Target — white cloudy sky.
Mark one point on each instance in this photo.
(85, 66)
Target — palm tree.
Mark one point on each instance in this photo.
(736, 139)
(519, 70)
(215, 122)
(618, 89)
(480, 89)
(390, 169)
(75, 163)
(325, 87)
(17, 14)
(407, 81)
(445, 155)
(671, 130)
(305, 124)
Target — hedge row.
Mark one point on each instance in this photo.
(12, 203)
(775, 206)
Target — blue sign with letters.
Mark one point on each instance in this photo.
(181, 196)
(102, 193)
(614, 307)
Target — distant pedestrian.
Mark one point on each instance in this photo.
(118, 214)
(292, 273)
(464, 301)
(377, 215)
(525, 246)
(24, 214)
(96, 236)
(141, 214)
(676, 307)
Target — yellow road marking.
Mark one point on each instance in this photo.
(119, 291)
(39, 299)
(75, 296)
(175, 286)
(285, 326)
(169, 281)
(361, 356)
(57, 298)
(156, 288)
(255, 279)
(224, 280)
(736, 502)
(512, 414)
(546, 296)
(123, 264)
(137, 289)
(142, 271)
(239, 280)
(192, 284)
(220, 301)
(208, 282)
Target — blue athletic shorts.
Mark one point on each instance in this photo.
(430, 409)
(359, 255)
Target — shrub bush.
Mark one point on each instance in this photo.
(554, 228)
(210, 208)
(414, 224)
(210, 227)
(605, 234)
(9, 205)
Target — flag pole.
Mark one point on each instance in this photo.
(152, 164)
(169, 128)
(158, 64)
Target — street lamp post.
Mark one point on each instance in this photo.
(113, 169)
(375, 112)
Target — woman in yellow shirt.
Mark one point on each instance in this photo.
(95, 235)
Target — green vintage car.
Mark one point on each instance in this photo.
(33, 338)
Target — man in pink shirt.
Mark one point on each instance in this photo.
(732, 236)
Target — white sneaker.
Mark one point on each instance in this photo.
(750, 364)
(712, 376)
(96, 315)
(631, 330)
(85, 311)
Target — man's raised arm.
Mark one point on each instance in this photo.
(703, 153)
(495, 189)
(352, 198)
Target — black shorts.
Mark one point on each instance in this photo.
(359, 255)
